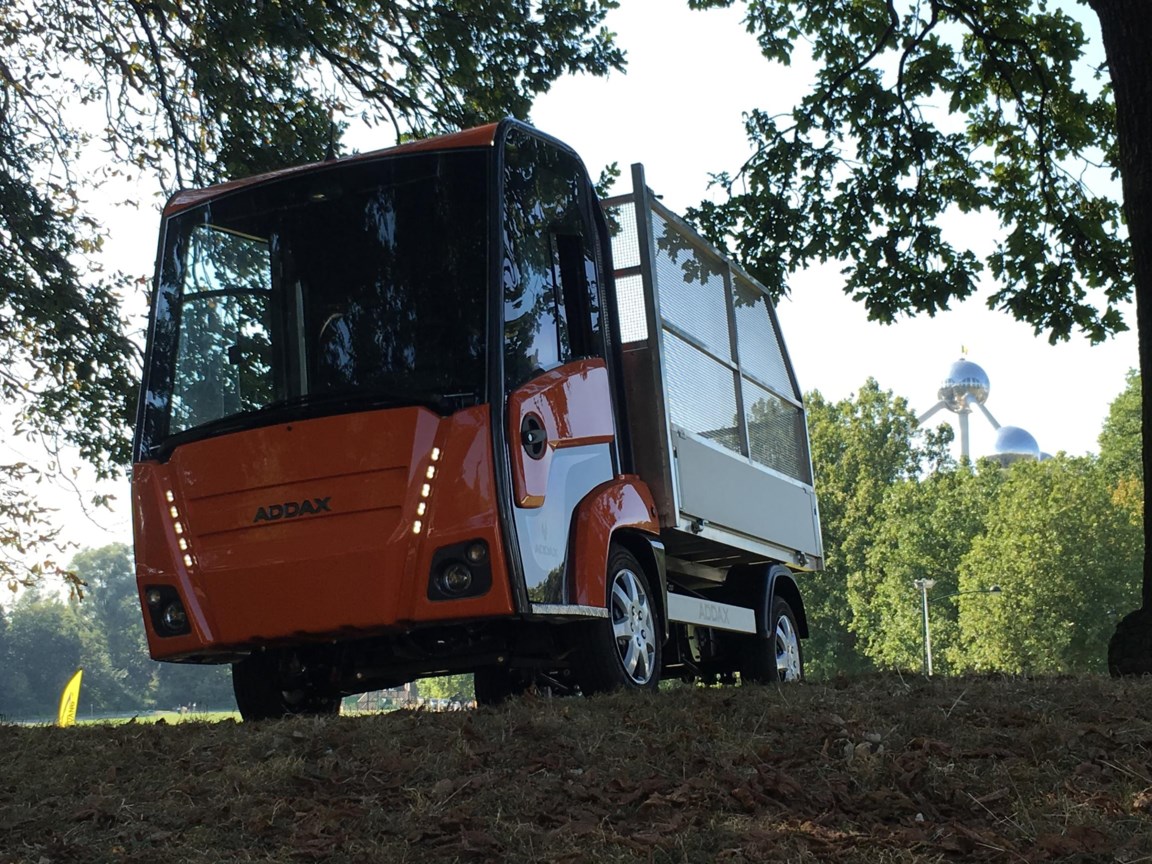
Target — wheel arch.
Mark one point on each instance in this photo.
(650, 553)
(620, 511)
(784, 586)
(757, 585)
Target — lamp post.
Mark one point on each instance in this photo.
(925, 585)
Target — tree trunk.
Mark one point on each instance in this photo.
(1126, 26)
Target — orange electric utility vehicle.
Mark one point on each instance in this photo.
(402, 416)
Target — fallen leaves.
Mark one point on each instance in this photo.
(739, 775)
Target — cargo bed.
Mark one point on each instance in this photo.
(715, 414)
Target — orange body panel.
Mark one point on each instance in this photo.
(574, 403)
(624, 502)
(261, 566)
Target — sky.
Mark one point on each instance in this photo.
(678, 110)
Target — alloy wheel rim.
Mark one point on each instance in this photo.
(633, 627)
(787, 650)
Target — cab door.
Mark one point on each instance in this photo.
(559, 424)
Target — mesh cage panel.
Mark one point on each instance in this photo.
(630, 309)
(701, 393)
(691, 288)
(758, 343)
(776, 432)
(621, 220)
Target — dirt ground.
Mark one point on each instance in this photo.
(885, 769)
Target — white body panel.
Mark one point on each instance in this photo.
(707, 613)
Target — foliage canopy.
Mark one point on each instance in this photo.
(1065, 555)
(1120, 447)
(919, 112)
(861, 446)
(924, 528)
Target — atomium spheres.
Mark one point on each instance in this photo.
(1014, 444)
(966, 382)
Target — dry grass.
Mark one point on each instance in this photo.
(879, 770)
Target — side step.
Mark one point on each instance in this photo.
(706, 613)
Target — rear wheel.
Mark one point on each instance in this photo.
(779, 656)
(624, 651)
(269, 686)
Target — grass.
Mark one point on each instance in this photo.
(875, 770)
(163, 717)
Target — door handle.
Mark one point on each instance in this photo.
(533, 436)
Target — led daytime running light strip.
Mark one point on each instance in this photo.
(426, 491)
(178, 527)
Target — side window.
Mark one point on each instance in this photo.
(224, 359)
(580, 292)
(551, 306)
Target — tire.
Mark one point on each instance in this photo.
(623, 652)
(779, 657)
(259, 683)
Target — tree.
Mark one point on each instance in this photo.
(119, 674)
(43, 640)
(28, 533)
(116, 652)
(65, 359)
(43, 651)
(48, 640)
(1121, 452)
(1065, 556)
(7, 671)
(927, 109)
(923, 529)
(451, 687)
(187, 93)
(1126, 26)
(860, 447)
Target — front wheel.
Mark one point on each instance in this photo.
(268, 687)
(779, 656)
(624, 651)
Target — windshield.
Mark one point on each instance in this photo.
(358, 285)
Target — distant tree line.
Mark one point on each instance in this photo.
(1061, 538)
(44, 639)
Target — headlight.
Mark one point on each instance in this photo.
(455, 578)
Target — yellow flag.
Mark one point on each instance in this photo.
(69, 700)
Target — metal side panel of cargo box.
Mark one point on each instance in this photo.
(717, 419)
